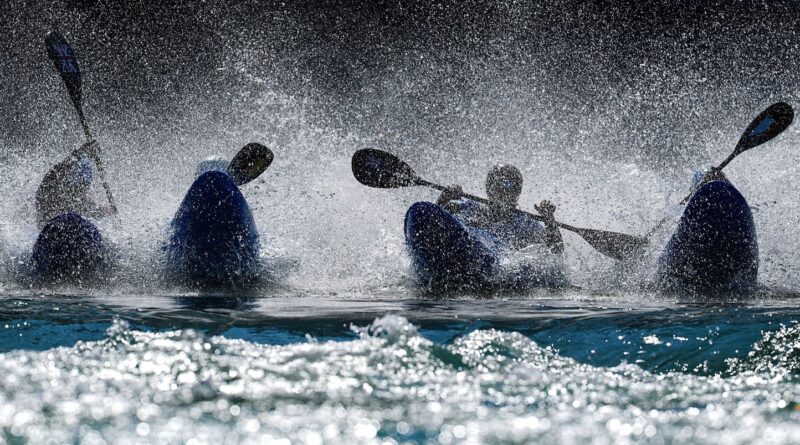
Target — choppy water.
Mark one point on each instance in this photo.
(563, 368)
(606, 109)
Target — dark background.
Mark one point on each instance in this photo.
(651, 77)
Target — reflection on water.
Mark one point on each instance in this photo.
(463, 372)
(603, 330)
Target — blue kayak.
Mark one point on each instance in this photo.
(449, 255)
(214, 241)
(69, 248)
(714, 248)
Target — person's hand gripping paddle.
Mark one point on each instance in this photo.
(379, 169)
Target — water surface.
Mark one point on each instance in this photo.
(552, 367)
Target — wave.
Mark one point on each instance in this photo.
(390, 384)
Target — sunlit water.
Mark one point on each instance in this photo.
(561, 368)
(337, 345)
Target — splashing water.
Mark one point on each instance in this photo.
(613, 144)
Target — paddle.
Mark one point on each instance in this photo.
(770, 123)
(379, 169)
(249, 163)
(66, 64)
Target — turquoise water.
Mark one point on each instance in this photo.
(547, 367)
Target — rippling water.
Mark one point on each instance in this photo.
(561, 368)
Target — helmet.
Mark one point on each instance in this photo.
(80, 173)
(504, 184)
(212, 163)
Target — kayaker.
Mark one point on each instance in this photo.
(503, 187)
(66, 187)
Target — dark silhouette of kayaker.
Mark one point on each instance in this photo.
(503, 187)
(67, 186)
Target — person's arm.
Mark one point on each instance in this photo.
(44, 200)
(450, 193)
(49, 199)
(54, 196)
(552, 237)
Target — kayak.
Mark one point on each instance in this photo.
(69, 248)
(449, 255)
(714, 249)
(214, 241)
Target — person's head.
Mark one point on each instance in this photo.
(212, 163)
(504, 184)
(80, 175)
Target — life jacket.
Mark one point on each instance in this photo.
(514, 228)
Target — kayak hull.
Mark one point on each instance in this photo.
(449, 255)
(214, 241)
(715, 247)
(69, 248)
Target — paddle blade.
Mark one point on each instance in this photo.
(379, 169)
(59, 51)
(613, 244)
(249, 163)
(770, 123)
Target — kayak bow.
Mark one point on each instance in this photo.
(715, 247)
(214, 240)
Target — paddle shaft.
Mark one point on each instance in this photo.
(730, 158)
(420, 181)
(98, 162)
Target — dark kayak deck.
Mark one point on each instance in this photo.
(443, 250)
(449, 255)
(715, 247)
(214, 239)
(69, 248)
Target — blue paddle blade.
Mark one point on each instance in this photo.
(770, 123)
(379, 169)
(63, 57)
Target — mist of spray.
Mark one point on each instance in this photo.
(607, 128)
